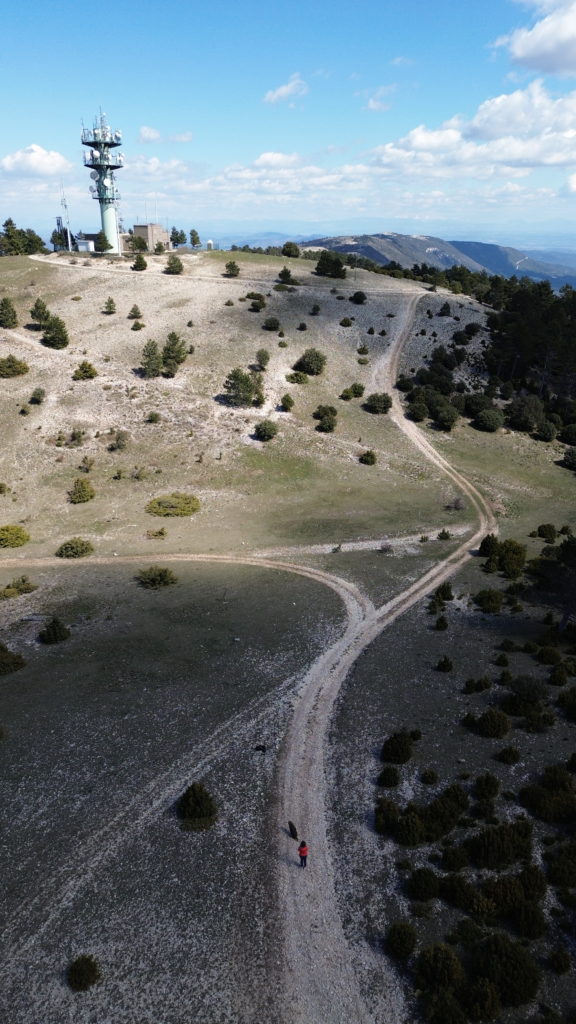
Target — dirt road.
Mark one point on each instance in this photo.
(320, 982)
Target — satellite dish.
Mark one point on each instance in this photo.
(94, 175)
(91, 189)
(107, 182)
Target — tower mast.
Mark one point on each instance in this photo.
(102, 140)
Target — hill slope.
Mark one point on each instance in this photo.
(437, 252)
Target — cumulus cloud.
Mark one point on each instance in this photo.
(35, 161)
(509, 135)
(550, 44)
(296, 86)
(181, 137)
(147, 134)
(277, 160)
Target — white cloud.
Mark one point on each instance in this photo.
(376, 99)
(550, 44)
(401, 61)
(35, 161)
(147, 134)
(182, 137)
(277, 160)
(296, 86)
(509, 135)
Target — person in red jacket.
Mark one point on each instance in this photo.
(303, 851)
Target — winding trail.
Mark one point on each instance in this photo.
(320, 985)
(320, 982)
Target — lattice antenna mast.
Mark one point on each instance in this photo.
(102, 141)
(64, 206)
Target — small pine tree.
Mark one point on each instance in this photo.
(232, 269)
(109, 306)
(101, 243)
(174, 265)
(54, 632)
(139, 262)
(80, 492)
(262, 358)
(151, 360)
(173, 354)
(40, 313)
(134, 313)
(8, 316)
(55, 333)
(196, 807)
(194, 238)
(159, 249)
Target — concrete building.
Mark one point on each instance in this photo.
(152, 234)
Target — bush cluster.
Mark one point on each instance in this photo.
(421, 823)
(13, 536)
(155, 577)
(18, 586)
(75, 547)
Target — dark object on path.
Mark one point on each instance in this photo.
(292, 830)
(303, 852)
(261, 747)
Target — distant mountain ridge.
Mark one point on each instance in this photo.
(477, 256)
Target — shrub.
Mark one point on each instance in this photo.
(444, 664)
(262, 358)
(570, 458)
(378, 403)
(509, 966)
(547, 531)
(85, 371)
(444, 535)
(441, 623)
(175, 504)
(76, 547)
(486, 787)
(54, 632)
(423, 884)
(444, 592)
(82, 973)
(508, 755)
(438, 968)
(12, 367)
(311, 362)
(153, 417)
(368, 458)
(500, 845)
(482, 1000)
(489, 546)
(287, 403)
(81, 491)
(346, 322)
(389, 777)
(18, 586)
(489, 420)
(174, 265)
(271, 323)
(9, 662)
(265, 430)
(232, 269)
(297, 377)
(400, 940)
(109, 306)
(39, 312)
(454, 858)
(119, 442)
(493, 724)
(155, 577)
(559, 961)
(489, 601)
(358, 298)
(397, 748)
(562, 866)
(196, 808)
(429, 777)
(137, 326)
(13, 536)
(566, 701)
(363, 350)
(37, 396)
(134, 313)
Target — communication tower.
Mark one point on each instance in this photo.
(102, 141)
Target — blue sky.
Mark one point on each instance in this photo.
(383, 115)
